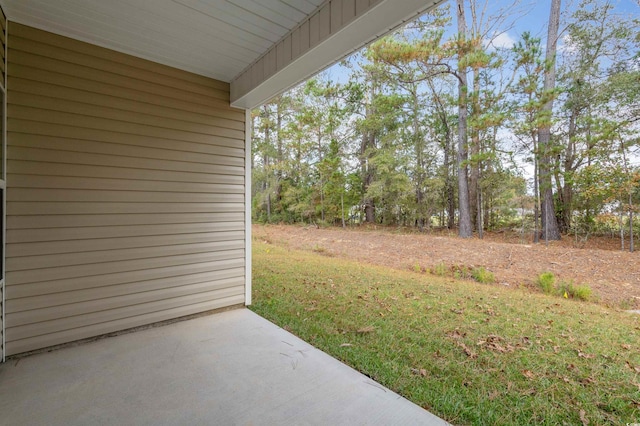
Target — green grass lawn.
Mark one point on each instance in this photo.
(470, 353)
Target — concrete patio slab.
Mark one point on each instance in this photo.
(230, 368)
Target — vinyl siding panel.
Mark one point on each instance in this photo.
(3, 56)
(125, 199)
(75, 284)
(78, 221)
(162, 312)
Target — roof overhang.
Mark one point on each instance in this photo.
(260, 47)
(271, 75)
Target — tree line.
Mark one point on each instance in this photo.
(442, 124)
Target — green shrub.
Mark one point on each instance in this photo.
(318, 249)
(565, 289)
(461, 272)
(440, 269)
(482, 275)
(583, 292)
(546, 281)
(568, 290)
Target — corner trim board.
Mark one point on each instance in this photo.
(247, 207)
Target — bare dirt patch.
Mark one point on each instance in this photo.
(613, 275)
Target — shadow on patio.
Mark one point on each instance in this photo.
(229, 368)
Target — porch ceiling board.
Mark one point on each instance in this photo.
(214, 38)
(260, 47)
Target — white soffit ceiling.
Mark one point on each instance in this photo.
(214, 38)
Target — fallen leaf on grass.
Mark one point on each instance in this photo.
(627, 347)
(468, 351)
(586, 356)
(583, 418)
(419, 372)
(367, 329)
(587, 381)
(636, 369)
(345, 345)
(491, 343)
(528, 374)
(455, 334)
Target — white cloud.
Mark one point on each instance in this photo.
(501, 41)
(567, 45)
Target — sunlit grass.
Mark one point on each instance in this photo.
(470, 353)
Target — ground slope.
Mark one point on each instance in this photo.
(613, 275)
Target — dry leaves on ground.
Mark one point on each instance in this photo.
(613, 275)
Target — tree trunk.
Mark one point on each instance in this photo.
(419, 152)
(567, 191)
(631, 248)
(550, 229)
(447, 147)
(447, 184)
(621, 224)
(267, 187)
(320, 156)
(367, 171)
(536, 207)
(464, 221)
(367, 151)
(474, 151)
(280, 150)
(479, 213)
(269, 207)
(449, 189)
(451, 203)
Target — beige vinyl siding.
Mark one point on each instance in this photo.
(3, 55)
(3, 47)
(125, 201)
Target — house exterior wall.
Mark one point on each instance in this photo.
(3, 81)
(125, 192)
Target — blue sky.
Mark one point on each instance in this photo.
(529, 16)
(535, 20)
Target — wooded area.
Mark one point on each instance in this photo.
(439, 124)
